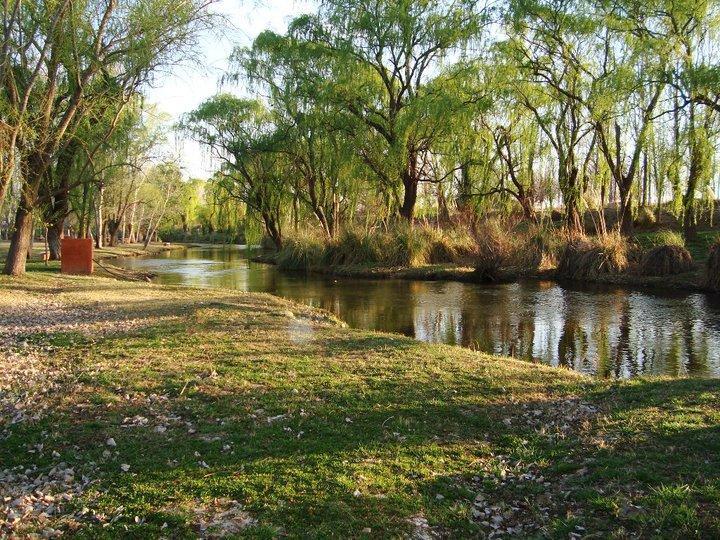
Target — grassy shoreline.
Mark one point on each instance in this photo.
(692, 281)
(248, 415)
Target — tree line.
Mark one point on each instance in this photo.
(364, 113)
(377, 112)
(72, 74)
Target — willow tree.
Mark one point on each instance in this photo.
(381, 56)
(546, 39)
(627, 78)
(689, 26)
(241, 135)
(310, 131)
(60, 58)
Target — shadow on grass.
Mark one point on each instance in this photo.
(352, 429)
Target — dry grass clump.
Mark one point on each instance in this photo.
(492, 249)
(588, 258)
(300, 253)
(353, 247)
(451, 246)
(407, 246)
(535, 248)
(666, 260)
(645, 217)
(404, 246)
(712, 267)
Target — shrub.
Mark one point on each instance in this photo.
(407, 246)
(451, 246)
(666, 260)
(712, 267)
(353, 247)
(537, 247)
(584, 257)
(267, 243)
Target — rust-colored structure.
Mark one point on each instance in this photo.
(76, 256)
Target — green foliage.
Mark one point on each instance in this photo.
(667, 238)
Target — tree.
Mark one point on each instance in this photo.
(379, 59)
(59, 61)
(546, 38)
(241, 135)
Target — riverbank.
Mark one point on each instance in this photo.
(689, 281)
(269, 418)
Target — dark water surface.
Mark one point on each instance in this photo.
(604, 330)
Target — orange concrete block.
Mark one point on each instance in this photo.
(76, 256)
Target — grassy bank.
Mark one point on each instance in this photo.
(142, 411)
(494, 251)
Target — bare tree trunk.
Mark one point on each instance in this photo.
(99, 217)
(21, 239)
(152, 232)
(131, 223)
(410, 183)
(54, 235)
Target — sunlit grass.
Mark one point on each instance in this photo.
(318, 430)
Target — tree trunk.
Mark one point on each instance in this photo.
(573, 219)
(99, 218)
(272, 230)
(464, 189)
(20, 241)
(695, 173)
(113, 226)
(54, 235)
(626, 217)
(410, 183)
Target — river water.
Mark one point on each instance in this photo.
(603, 330)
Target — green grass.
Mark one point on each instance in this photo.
(698, 248)
(377, 430)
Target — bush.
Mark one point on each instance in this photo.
(666, 260)
(450, 246)
(535, 248)
(712, 267)
(351, 248)
(404, 246)
(407, 247)
(584, 258)
(267, 243)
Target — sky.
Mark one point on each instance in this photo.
(185, 87)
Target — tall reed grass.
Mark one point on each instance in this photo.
(405, 246)
(586, 257)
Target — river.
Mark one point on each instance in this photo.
(607, 331)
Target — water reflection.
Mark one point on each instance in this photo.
(603, 330)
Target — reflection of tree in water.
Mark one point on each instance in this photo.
(622, 349)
